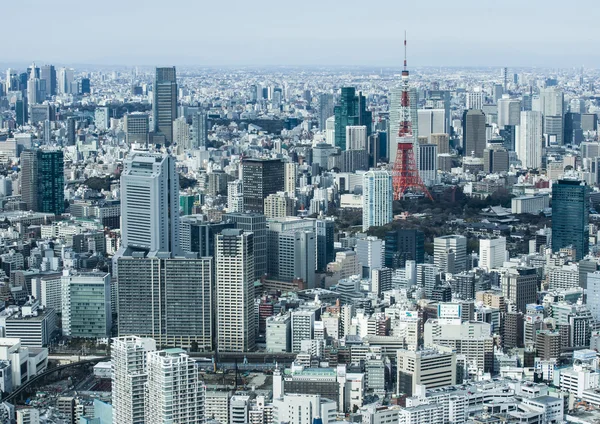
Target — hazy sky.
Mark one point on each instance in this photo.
(307, 32)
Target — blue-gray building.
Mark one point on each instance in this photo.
(570, 216)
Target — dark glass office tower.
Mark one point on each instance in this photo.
(22, 111)
(570, 216)
(42, 180)
(85, 86)
(325, 239)
(403, 245)
(199, 130)
(351, 110)
(261, 177)
(474, 138)
(164, 106)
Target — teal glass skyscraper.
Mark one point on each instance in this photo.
(351, 110)
(570, 216)
(42, 180)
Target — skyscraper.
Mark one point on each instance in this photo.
(570, 216)
(48, 74)
(509, 111)
(356, 137)
(520, 285)
(65, 80)
(326, 106)
(71, 127)
(529, 139)
(199, 130)
(85, 87)
(495, 159)
(161, 292)
(102, 117)
(297, 255)
(175, 392)
(42, 180)
(137, 128)
(33, 87)
(431, 121)
(86, 307)
(168, 299)
(150, 204)
(129, 376)
(492, 253)
(325, 229)
(261, 177)
(377, 198)
(164, 105)
(403, 245)
(475, 99)
(256, 224)
(552, 106)
(474, 137)
(351, 110)
(236, 326)
(22, 111)
(450, 253)
(428, 163)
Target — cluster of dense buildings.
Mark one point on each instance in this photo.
(212, 222)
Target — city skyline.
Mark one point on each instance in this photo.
(312, 35)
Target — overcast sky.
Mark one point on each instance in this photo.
(307, 32)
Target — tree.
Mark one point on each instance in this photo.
(186, 182)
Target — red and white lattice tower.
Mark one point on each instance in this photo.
(406, 173)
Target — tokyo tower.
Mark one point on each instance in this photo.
(406, 173)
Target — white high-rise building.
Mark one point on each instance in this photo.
(150, 203)
(302, 327)
(297, 256)
(450, 253)
(529, 139)
(128, 363)
(551, 104)
(239, 409)
(303, 409)
(291, 175)
(236, 324)
(370, 253)
(65, 80)
(492, 253)
(593, 294)
(174, 390)
(235, 196)
(330, 130)
(33, 88)
(577, 106)
(475, 99)
(509, 111)
(102, 118)
(377, 198)
(356, 137)
(431, 121)
(181, 134)
(430, 368)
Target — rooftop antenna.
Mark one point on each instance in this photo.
(405, 68)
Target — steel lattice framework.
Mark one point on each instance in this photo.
(405, 172)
